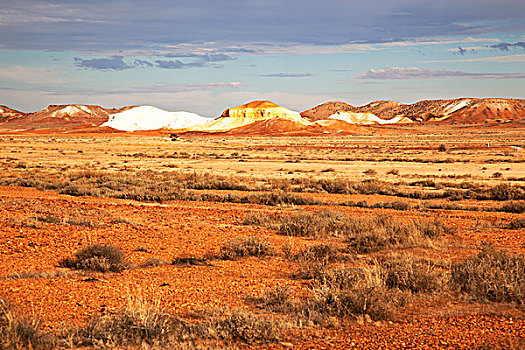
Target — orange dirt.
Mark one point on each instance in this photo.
(197, 228)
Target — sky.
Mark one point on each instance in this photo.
(205, 56)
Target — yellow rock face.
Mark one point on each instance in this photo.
(250, 113)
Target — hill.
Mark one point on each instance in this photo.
(457, 111)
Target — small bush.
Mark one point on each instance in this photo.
(19, 332)
(405, 273)
(318, 253)
(517, 207)
(138, 322)
(516, 224)
(442, 148)
(393, 172)
(153, 262)
(373, 234)
(354, 291)
(190, 261)
(434, 228)
(245, 246)
(493, 275)
(244, 326)
(277, 298)
(49, 219)
(320, 224)
(97, 257)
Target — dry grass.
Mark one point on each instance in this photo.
(246, 246)
(368, 235)
(492, 275)
(349, 291)
(20, 332)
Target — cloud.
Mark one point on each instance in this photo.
(178, 64)
(508, 46)
(424, 73)
(134, 24)
(461, 51)
(115, 62)
(200, 60)
(508, 58)
(287, 75)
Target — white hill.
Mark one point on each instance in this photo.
(152, 118)
(367, 118)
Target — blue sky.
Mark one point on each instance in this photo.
(204, 56)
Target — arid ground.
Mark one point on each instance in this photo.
(406, 238)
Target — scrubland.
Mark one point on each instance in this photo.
(394, 240)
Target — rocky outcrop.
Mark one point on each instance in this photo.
(325, 110)
(250, 113)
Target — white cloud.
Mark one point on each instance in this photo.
(509, 58)
(425, 73)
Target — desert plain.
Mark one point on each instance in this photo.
(264, 242)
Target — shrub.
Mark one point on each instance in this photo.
(516, 224)
(19, 332)
(513, 207)
(319, 253)
(190, 261)
(373, 234)
(320, 224)
(417, 276)
(493, 275)
(97, 257)
(277, 298)
(244, 326)
(354, 291)
(140, 321)
(153, 262)
(245, 246)
(433, 228)
(393, 172)
(442, 148)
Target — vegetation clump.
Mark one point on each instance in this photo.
(492, 275)
(19, 332)
(246, 246)
(97, 257)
